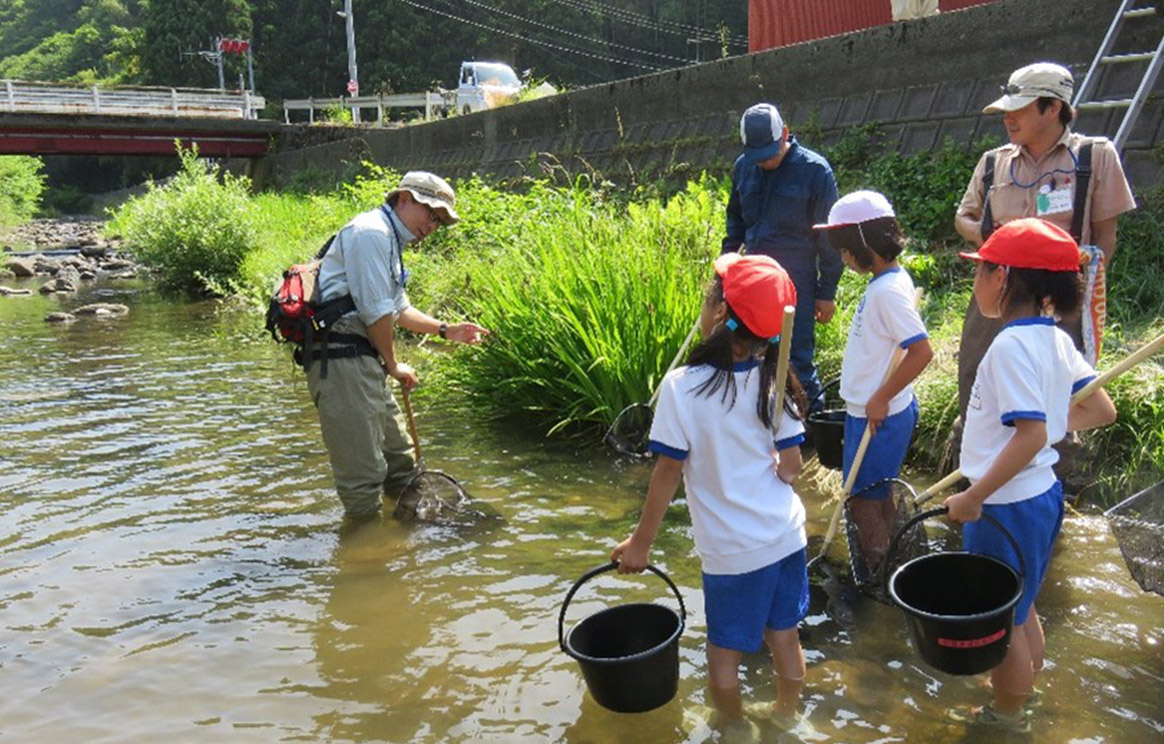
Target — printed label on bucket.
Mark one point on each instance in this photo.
(972, 642)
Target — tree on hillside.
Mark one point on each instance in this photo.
(173, 31)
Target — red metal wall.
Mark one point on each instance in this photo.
(777, 23)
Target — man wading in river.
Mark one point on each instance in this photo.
(363, 428)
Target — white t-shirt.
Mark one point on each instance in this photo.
(1030, 371)
(365, 261)
(744, 516)
(885, 320)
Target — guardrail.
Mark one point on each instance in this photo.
(19, 96)
(433, 104)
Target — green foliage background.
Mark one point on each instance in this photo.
(21, 185)
(590, 289)
(300, 46)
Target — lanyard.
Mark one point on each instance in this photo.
(1041, 176)
(399, 244)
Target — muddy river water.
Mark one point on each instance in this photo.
(172, 569)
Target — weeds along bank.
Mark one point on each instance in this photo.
(590, 288)
(21, 187)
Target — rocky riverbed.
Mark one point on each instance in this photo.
(57, 255)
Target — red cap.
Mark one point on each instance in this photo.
(1029, 243)
(757, 289)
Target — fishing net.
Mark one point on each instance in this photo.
(433, 496)
(1138, 525)
(630, 431)
(871, 523)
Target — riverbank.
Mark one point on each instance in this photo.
(590, 289)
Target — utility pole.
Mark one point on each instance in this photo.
(353, 76)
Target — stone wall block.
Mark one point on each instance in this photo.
(1119, 81)
(918, 101)
(1144, 131)
(1097, 122)
(827, 110)
(987, 90)
(919, 136)
(853, 110)
(885, 104)
(1142, 168)
(953, 99)
(961, 129)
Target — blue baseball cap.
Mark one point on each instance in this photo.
(762, 131)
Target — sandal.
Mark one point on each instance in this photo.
(986, 715)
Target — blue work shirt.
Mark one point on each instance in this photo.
(772, 213)
(365, 260)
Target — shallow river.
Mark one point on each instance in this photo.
(172, 569)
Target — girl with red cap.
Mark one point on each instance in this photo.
(715, 426)
(1020, 405)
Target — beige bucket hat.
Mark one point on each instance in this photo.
(431, 189)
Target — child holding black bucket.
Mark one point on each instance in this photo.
(714, 427)
(864, 229)
(1020, 405)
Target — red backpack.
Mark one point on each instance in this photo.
(295, 314)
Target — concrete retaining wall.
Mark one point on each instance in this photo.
(924, 80)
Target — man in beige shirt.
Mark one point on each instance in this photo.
(1035, 176)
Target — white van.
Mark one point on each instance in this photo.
(485, 85)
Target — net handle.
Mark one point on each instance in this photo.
(411, 423)
(783, 356)
(1131, 360)
(674, 362)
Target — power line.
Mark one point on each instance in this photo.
(638, 19)
(591, 39)
(653, 68)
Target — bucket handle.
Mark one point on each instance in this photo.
(821, 395)
(946, 510)
(600, 570)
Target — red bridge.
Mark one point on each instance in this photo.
(39, 118)
(96, 134)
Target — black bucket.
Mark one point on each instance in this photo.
(629, 654)
(826, 428)
(959, 607)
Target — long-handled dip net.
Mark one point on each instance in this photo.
(431, 496)
(630, 432)
(872, 517)
(1138, 525)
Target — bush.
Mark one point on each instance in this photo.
(195, 230)
(21, 186)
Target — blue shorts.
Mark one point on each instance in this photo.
(885, 453)
(1035, 524)
(740, 606)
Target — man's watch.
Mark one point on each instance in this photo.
(444, 330)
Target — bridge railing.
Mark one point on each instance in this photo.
(433, 104)
(19, 96)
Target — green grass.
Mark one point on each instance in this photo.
(590, 289)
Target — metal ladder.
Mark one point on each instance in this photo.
(1084, 97)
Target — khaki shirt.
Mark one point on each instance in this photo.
(1018, 178)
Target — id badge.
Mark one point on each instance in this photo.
(1053, 201)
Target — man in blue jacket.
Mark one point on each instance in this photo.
(779, 191)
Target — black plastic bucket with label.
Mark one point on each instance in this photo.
(959, 606)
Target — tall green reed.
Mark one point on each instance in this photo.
(589, 307)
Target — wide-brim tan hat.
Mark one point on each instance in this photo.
(432, 190)
(1029, 84)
